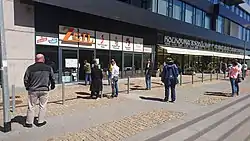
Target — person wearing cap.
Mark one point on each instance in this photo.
(148, 74)
(170, 79)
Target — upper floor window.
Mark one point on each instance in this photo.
(162, 7)
(177, 9)
(219, 24)
(207, 21)
(198, 17)
(189, 14)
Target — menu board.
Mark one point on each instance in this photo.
(128, 43)
(115, 42)
(138, 44)
(147, 49)
(102, 40)
(71, 63)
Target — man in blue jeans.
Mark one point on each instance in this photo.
(148, 74)
(170, 79)
(87, 70)
(114, 79)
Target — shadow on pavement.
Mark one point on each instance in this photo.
(152, 98)
(218, 94)
(19, 119)
(82, 93)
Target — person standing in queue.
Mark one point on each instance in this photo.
(114, 79)
(148, 74)
(170, 79)
(234, 76)
(87, 71)
(38, 80)
(96, 84)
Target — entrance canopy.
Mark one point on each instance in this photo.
(202, 53)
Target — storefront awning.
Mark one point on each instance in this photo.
(202, 53)
(187, 51)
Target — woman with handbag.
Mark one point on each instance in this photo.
(235, 78)
(170, 79)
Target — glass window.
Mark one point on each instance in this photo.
(103, 56)
(219, 24)
(51, 57)
(162, 7)
(198, 17)
(234, 29)
(240, 32)
(233, 8)
(241, 13)
(69, 72)
(248, 35)
(138, 70)
(128, 66)
(170, 8)
(189, 14)
(177, 9)
(248, 17)
(226, 26)
(237, 10)
(243, 33)
(207, 21)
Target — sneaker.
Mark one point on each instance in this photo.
(28, 125)
(172, 101)
(41, 124)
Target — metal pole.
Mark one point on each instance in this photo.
(217, 75)
(211, 76)
(202, 76)
(243, 72)
(13, 98)
(63, 93)
(192, 77)
(128, 86)
(181, 79)
(4, 68)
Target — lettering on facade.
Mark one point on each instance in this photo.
(199, 45)
(77, 37)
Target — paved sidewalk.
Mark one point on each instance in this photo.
(126, 117)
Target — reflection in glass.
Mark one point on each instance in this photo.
(189, 14)
(128, 66)
(177, 9)
(69, 71)
(138, 65)
(51, 58)
(103, 56)
(198, 17)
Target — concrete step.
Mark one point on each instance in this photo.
(215, 126)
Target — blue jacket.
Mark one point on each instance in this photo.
(170, 72)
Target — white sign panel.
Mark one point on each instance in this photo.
(127, 43)
(147, 50)
(71, 63)
(102, 40)
(115, 42)
(50, 41)
(67, 36)
(138, 44)
(87, 38)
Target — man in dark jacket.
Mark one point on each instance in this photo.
(38, 80)
(96, 83)
(148, 74)
(170, 79)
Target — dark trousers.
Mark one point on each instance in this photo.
(96, 93)
(170, 84)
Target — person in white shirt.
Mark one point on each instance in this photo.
(244, 70)
(114, 78)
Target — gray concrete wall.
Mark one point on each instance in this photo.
(20, 39)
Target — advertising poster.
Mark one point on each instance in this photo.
(50, 41)
(147, 49)
(128, 43)
(68, 36)
(71, 63)
(86, 38)
(115, 42)
(102, 40)
(138, 44)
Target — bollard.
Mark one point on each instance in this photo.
(202, 77)
(63, 93)
(13, 98)
(128, 86)
(217, 76)
(211, 76)
(192, 77)
(181, 79)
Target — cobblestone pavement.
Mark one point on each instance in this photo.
(121, 129)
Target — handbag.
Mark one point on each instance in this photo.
(239, 78)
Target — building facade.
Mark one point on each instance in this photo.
(198, 35)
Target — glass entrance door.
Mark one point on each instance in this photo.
(87, 55)
(128, 64)
(69, 65)
(138, 65)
